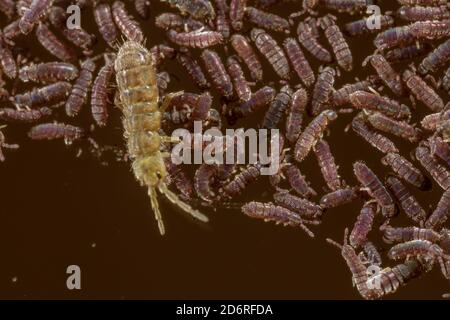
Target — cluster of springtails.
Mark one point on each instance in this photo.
(232, 52)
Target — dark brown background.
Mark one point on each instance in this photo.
(55, 207)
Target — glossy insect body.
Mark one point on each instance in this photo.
(24, 116)
(392, 235)
(389, 76)
(322, 90)
(434, 121)
(407, 52)
(439, 173)
(419, 13)
(392, 37)
(222, 21)
(363, 225)
(337, 42)
(431, 30)
(198, 9)
(277, 108)
(48, 95)
(142, 8)
(53, 45)
(407, 201)
(295, 117)
(136, 82)
(203, 180)
(404, 169)
(312, 133)
(376, 139)
(299, 62)
(31, 16)
(267, 20)
(236, 73)
(7, 7)
(239, 183)
(193, 69)
(440, 148)
(51, 131)
(440, 215)
(370, 101)
(217, 73)
(247, 54)
(106, 26)
(374, 187)
(258, 100)
(7, 62)
(398, 128)
(415, 248)
(338, 198)
(422, 2)
(436, 58)
(126, 24)
(297, 181)
(169, 20)
(195, 39)
(307, 40)
(422, 91)
(237, 11)
(78, 96)
(272, 51)
(99, 97)
(48, 72)
(341, 97)
(327, 165)
(277, 214)
(359, 27)
(299, 205)
(350, 6)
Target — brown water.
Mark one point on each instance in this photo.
(58, 210)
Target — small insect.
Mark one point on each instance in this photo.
(7, 7)
(371, 254)
(142, 120)
(407, 201)
(24, 116)
(198, 9)
(34, 14)
(48, 72)
(240, 182)
(277, 214)
(277, 108)
(271, 51)
(78, 96)
(391, 235)
(422, 91)
(440, 148)
(312, 133)
(47, 95)
(307, 40)
(193, 69)
(217, 73)
(375, 139)
(431, 30)
(7, 62)
(51, 131)
(78, 36)
(203, 180)
(299, 62)
(407, 52)
(422, 2)
(299, 205)
(386, 73)
(350, 6)
(327, 165)
(248, 55)
(440, 215)
(237, 11)
(375, 188)
(322, 90)
(393, 37)
(405, 170)
(337, 42)
(435, 59)
(363, 225)
(125, 22)
(295, 116)
(359, 27)
(168, 20)
(341, 97)
(297, 181)
(99, 96)
(161, 52)
(357, 268)
(258, 100)
(268, 21)
(53, 45)
(222, 22)
(338, 198)
(386, 124)
(179, 178)
(375, 102)
(415, 248)
(106, 26)
(4, 145)
(142, 7)
(195, 39)
(439, 173)
(434, 121)
(236, 73)
(419, 13)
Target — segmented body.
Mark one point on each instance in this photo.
(126, 24)
(237, 11)
(7, 62)
(299, 205)
(407, 52)
(34, 14)
(24, 116)
(53, 45)
(138, 94)
(194, 70)
(48, 72)
(106, 26)
(217, 73)
(420, 13)
(441, 213)
(350, 6)
(363, 225)
(236, 73)
(258, 100)
(436, 58)
(277, 108)
(359, 27)
(245, 51)
(295, 117)
(375, 139)
(268, 21)
(370, 101)
(307, 40)
(398, 128)
(392, 37)
(415, 248)
(51, 131)
(404, 169)
(195, 39)
(78, 96)
(239, 183)
(48, 95)
(327, 165)
(431, 30)
(222, 21)
(338, 198)
(297, 181)
(198, 9)
(392, 235)
(341, 96)
(322, 90)
(299, 62)
(439, 173)
(100, 90)
(386, 73)
(440, 148)
(203, 180)
(422, 91)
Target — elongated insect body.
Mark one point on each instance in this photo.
(322, 90)
(310, 43)
(53, 45)
(341, 96)
(295, 117)
(195, 39)
(24, 116)
(245, 51)
(415, 248)
(203, 180)
(277, 108)
(126, 24)
(302, 206)
(138, 93)
(48, 72)
(31, 16)
(236, 73)
(7, 62)
(350, 6)
(99, 97)
(327, 165)
(441, 213)
(338, 198)
(239, 183)
(432, 30)
(78, 96)
(217, 73)
(370, 101)
(359, 27)
(237, 11)
(436, 58)
(258, 100)
(363, 225)
(440, 148)
(439, 173)
(299, 62)
(376, 139)
(392, 235)
(422, 91)
(406, 53)
(420, 13)
(297, 181)
(51, 131)
(392, 37)
(389, 76)
(48, 95)
(194, 70)
(268, 21)
(400, 129)
(104, 20)
(405, 169)
(198, 9)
